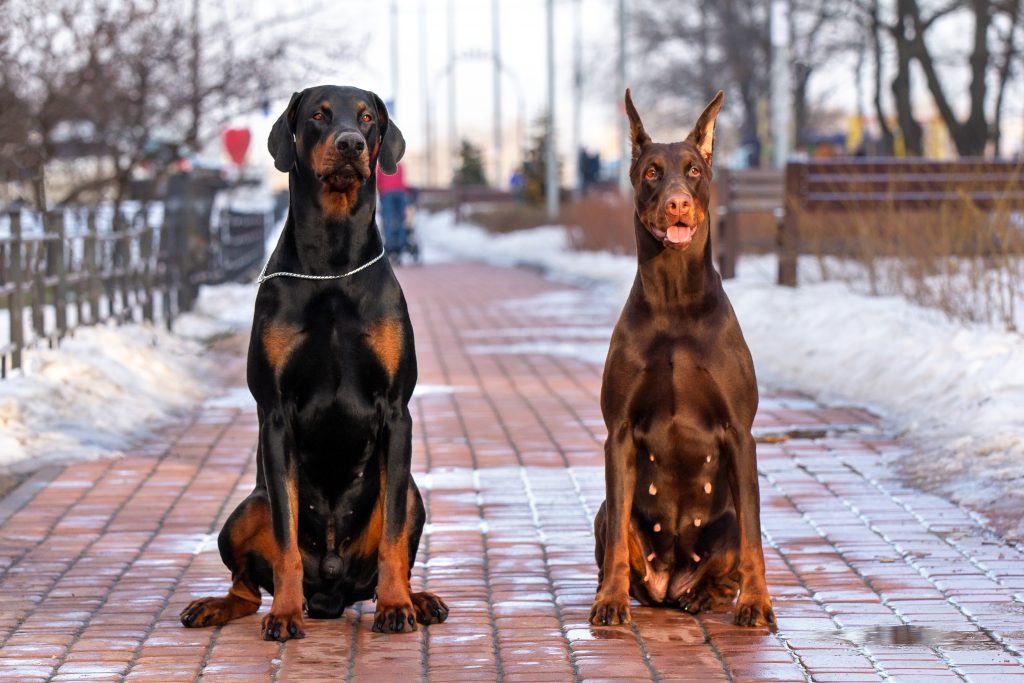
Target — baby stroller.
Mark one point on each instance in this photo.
(395, 204)
(411, 245)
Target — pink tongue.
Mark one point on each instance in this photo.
(678, 234)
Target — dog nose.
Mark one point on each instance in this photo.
(678, 204)
(350, 143)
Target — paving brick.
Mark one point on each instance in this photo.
(872, 579)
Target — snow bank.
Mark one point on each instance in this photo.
(218, 311)
(96, 394)
(107, 385)
(956, 390)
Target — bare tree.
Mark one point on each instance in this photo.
(691, 48)
(992, 59)
(120, 83)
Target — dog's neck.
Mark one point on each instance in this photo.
(324, 245)
(667, 277)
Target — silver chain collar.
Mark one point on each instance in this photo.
(264, 277)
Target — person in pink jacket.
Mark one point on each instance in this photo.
(394, 196)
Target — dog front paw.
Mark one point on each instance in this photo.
(610, 610)
(394, 618)
(430, 609)
(283, 626)
(755, 610)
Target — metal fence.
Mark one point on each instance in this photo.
(83, 266)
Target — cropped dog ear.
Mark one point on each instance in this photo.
(392, 143)
(703, 134)
(281, 141)
(637, 134)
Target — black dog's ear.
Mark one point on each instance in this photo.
(703, 134)
(281, 141)
(392, 143)
(637, 134)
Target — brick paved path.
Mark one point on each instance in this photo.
(872, 580)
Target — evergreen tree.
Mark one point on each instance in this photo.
(471, 166)
(535, 165)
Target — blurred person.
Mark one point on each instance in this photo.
(394, 198)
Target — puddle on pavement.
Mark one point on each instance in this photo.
(910, 635)
(599, 633)
(626, 633)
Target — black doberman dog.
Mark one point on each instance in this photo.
(335, 516)
(680, 525)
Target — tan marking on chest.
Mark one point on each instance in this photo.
(337, 204)
(385, 339)
(279, 342)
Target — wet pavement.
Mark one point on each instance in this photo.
(872, 579)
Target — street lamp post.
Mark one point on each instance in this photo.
(780, 86)
(550, 156)
(624, 143)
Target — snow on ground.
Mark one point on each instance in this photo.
(96, 394)
(957, 391)
(107, 385)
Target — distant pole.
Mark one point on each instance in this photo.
(496, 54)
(781, 107)
(453, 133)
(551, 157)
(577, 91)
(428, 124)
(627, 149)
(394, 57)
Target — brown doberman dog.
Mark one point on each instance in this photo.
(335, 516)
(680, 525)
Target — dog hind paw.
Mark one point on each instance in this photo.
(215, 611)
(430, 609)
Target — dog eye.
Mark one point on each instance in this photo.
(366, 118)
(318, 116)
(651, 174)
(694, 172)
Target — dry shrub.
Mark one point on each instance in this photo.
(506, 217)
(598, 222)
(959, 258)
(601, 222)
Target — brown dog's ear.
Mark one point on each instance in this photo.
(392, 143)
(637, 134)
(703, 134)
(281, 141)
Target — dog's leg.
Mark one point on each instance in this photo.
(611, 606)
(277, 448)
(395, 611)
(430, 609)
(242, 541)
(754, 606)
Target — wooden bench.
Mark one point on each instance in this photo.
(826, 196)
(749, 208)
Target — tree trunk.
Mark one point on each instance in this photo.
(971, 135)
(801, 76)
(1005, 69)
(909, 127)
(888, 139)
